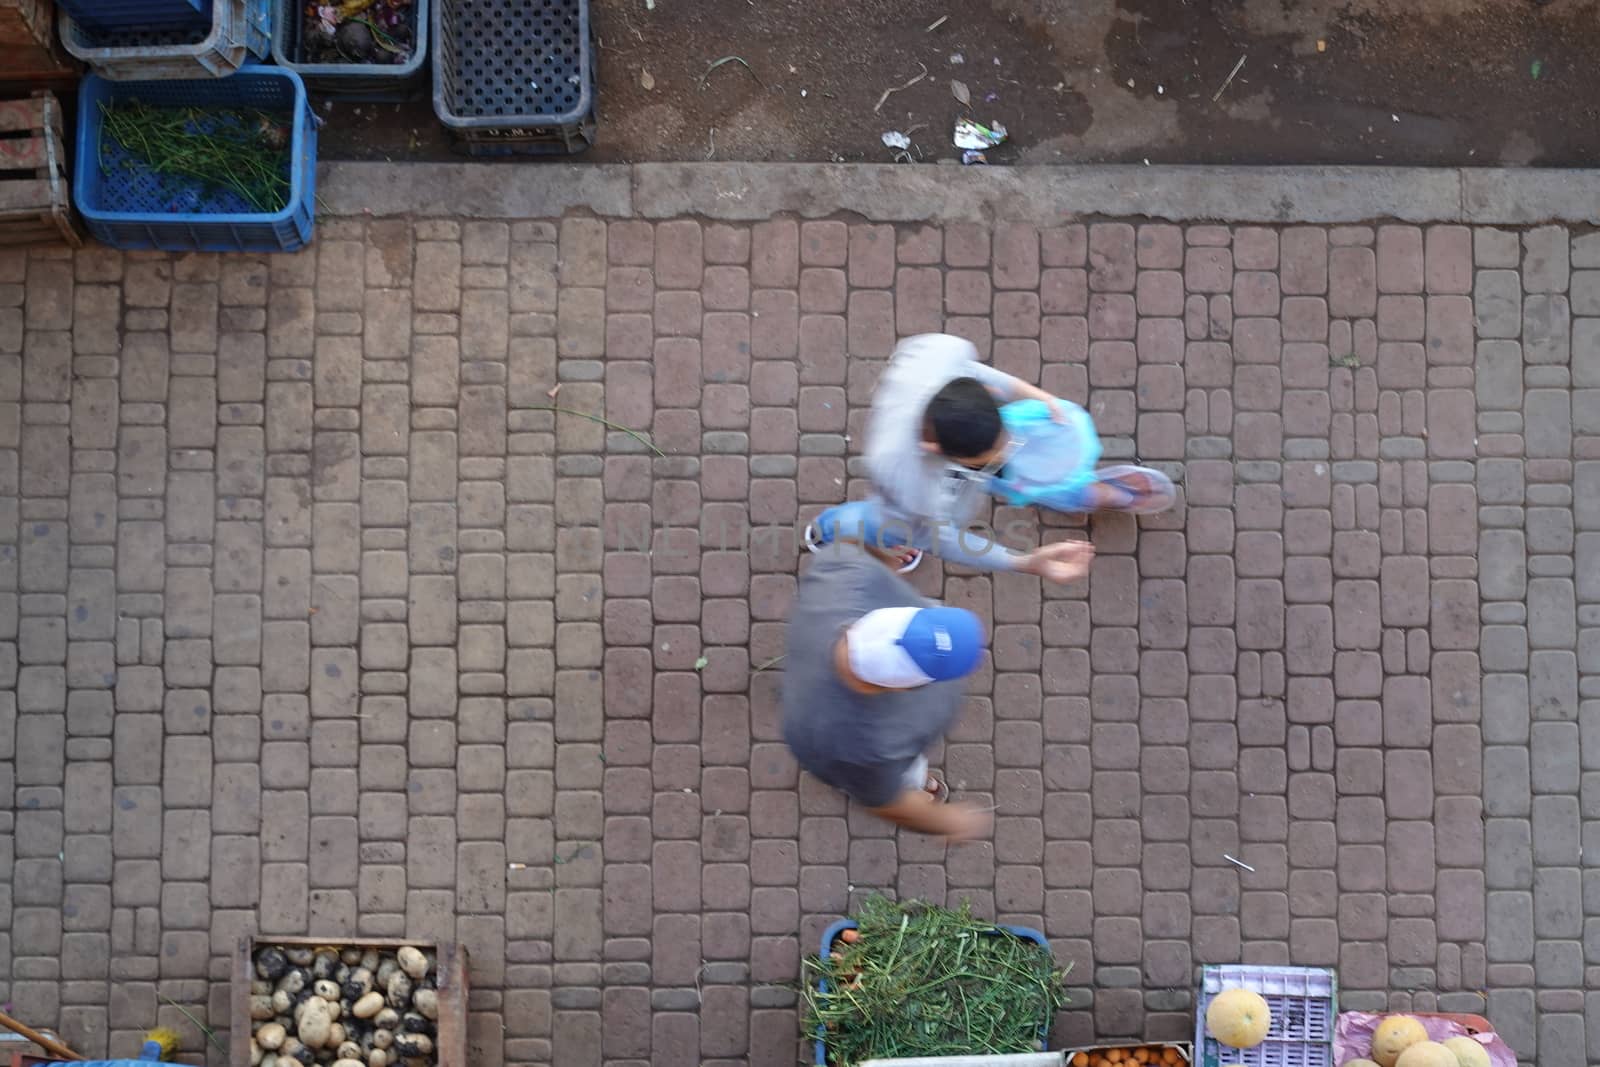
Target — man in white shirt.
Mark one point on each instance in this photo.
(934, 440)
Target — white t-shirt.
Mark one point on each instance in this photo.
(912, 479)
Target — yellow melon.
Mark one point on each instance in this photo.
(1427, 1054)
(1468, 1052)
(1359, 1063)
(1393, 1036)
(1238, 1018)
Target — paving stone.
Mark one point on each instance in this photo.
(1304, 259)
(1545, 264)
(1497, 303)
(1358, 659)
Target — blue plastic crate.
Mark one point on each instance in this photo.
(515, 77)
(236, 31)
(119, 16)
(831, 934)
(139, 209)
(357, 82)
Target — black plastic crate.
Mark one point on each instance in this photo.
(515, 77)
(354, 82)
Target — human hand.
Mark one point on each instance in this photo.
(1058, 414)
(1060, 561)
(967, 822)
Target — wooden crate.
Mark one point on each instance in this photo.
(31, 56)
(450, 1046)
(27, 22)
(34, 202)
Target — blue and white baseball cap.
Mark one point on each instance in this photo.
(901, 648)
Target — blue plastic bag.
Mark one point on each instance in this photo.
(1051, 464)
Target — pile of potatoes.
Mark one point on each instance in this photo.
(359, 1007)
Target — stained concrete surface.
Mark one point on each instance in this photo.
(1324, 81)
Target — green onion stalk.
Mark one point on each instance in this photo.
(920, 980)
(243, 151)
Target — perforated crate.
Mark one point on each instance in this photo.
(120, 16)
(350, 81)
(831, 935)
(515, 77)
(132, 207)
(1304, 1003)
(239, 29)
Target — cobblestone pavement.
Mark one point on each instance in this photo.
(315, 619)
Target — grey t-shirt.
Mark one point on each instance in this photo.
(861, 744)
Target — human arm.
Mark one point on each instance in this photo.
(919, 810)
(1007, 387)
(1060, 561)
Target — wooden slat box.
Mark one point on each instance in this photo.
(450, 1044)
(35, 204)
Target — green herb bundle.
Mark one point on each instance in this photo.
(243, 151)
(920, 980)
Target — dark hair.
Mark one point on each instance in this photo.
(964, 418)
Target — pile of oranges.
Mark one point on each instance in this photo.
(1139, 1056)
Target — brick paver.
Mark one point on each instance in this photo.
(315, 619)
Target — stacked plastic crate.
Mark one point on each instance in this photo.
(190, 54)
(340, 75)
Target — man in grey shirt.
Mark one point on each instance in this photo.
(872, 678)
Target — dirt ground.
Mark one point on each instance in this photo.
(1457, 82)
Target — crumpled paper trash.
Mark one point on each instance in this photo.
(973, 137)
(1352, 1037)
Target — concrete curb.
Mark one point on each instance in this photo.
(473, 190)
(887, 193)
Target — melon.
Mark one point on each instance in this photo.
(1468, 1052)
(1238, 1018)
(1393, 1036)
(1427, 1054)
(1359, 1063)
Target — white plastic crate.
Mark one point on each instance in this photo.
(239, 30)
(1304, 1003)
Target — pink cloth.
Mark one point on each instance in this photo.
(1352, 1037)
